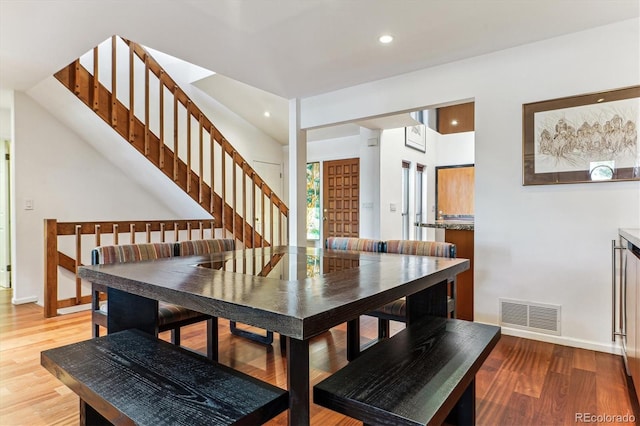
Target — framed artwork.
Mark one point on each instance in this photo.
(585, 138)
(415, 137)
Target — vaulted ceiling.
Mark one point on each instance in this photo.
(288, 48)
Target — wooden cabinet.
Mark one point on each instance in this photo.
(463, 240)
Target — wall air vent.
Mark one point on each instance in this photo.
(536, 317)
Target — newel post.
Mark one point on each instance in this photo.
(50, 268)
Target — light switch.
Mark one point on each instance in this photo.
(28, 204)
(392, 207)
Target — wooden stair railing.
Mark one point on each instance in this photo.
(210, 173)
(130, 231)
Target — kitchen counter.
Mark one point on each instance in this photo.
(631, 235)
(459, 225)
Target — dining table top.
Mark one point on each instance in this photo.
(298, 292)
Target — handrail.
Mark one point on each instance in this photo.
(154, 230)
(207, 170)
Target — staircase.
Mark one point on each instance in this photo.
(150, 111)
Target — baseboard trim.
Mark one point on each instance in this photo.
(612, 348)
(24, 300)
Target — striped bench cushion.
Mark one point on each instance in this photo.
(195, 247)
(355, 244)
(422, 248)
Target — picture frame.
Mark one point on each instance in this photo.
(416, 137)
(578, 139)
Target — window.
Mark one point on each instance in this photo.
(313, 201)
(405, 199)
(420, 200)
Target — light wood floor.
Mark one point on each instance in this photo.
(523, 382)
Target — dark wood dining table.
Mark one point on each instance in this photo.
(298, 292)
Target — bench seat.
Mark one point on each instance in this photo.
(132, 377)
(416, 377)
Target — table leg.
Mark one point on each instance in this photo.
(298, 381)
(431, 301)
(353, 339)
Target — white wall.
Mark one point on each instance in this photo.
(67, 180)
(547, 244)
(456, 149)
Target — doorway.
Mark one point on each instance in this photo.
(5, 216)
(341, 198)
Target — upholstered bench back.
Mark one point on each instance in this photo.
(356, 244)
(131, 253)
(421, 248)
(186, 248)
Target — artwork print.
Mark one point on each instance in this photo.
(583, 138)
(574, 138)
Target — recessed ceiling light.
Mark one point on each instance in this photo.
(600, 100)
(454, 122)
(385, 39)
(267, 114)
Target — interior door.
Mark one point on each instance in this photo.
(455, 190)
(341, 198)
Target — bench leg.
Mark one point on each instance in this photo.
(383, 328)
(353, 339)
(212, 338)
(464, 412)
(175, 336)
(90, 417)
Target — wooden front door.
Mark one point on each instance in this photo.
(341, 198)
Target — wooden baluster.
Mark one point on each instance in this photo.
(224, 190)
(189, 147)
(271, 222)
(114, 99)
(235, 194)
(176, 230)
(146, 105)
(213, 229)
(213, 146)
(78, 262)
(201, 231)
(161, 102)
(162, 232)
(200, 160)
(51, 268)
(189, 236)
(131, 94)
(97, 232)
(175, 133)
(148, 226)
(96, 80)
(116, 234)
(132, 232)
(244, 203)
(262, 230)
(253, 209)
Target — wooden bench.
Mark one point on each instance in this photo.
(131, 377)
(423, 375)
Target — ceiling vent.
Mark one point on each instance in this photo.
(536, 317)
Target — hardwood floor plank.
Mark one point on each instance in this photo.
(523, 382)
